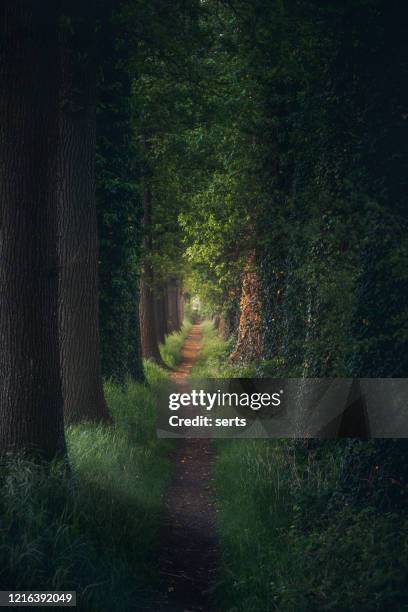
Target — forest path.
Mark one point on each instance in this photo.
(188, 550)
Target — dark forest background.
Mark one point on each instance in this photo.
(252, 154)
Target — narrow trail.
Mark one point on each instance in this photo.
(188, 552)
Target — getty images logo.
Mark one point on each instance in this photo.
(207, 401)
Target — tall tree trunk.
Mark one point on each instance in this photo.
(172, 307)
(148, 336)
(78, 248)
(160, 314)
(249, 341)
(167, 322)
(31, 415)
(149, 342)
(119, 210)
(180, 305)
(134, 356)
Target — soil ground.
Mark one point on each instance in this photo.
(188, 552)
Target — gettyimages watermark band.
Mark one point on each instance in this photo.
(284, 408)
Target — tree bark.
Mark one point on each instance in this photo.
(31, 415)
(249, 341)
(134, 356)
(149, 342)
(172, 306)
(180, 305)
(78, 246)
(160, 314)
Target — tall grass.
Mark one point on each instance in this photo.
(171, 350)
(213, 359)
(289, 541)
(94, 528)
(284, 547)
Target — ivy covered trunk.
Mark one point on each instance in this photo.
(119, 208)
(249, 341)
(147, 307)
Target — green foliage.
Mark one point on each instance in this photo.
(212, 360)
(284, 549)
(119, 207)
(154, 374)
(171, 350)
(380, 312)
(290, 163)
(249, 125)
(165, 105)
(374, 473)
(92, 528)
(332, 297)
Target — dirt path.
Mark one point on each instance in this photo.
(188, 555)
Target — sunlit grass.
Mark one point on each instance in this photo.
(171, 350)
(213, 359)
(94, 528)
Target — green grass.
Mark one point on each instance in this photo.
(290, 540)
(171, 350)
(94, 529)
(213, 359)
(283, 549)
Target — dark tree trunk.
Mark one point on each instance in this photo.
(134, 356)
(217, 322)
(180, 305)
(31, 415)
(160, 314)
(78, 248)
(166, 308)
(172, 306)
(148, 335)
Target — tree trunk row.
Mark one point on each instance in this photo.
(161, 313)
(30, 380)
(161, 306)
(77, 229)
(49, 360)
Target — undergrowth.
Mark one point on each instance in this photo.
(92, 528)
(306, 526)
(213, 358)
(171, 350)
(286, 546)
